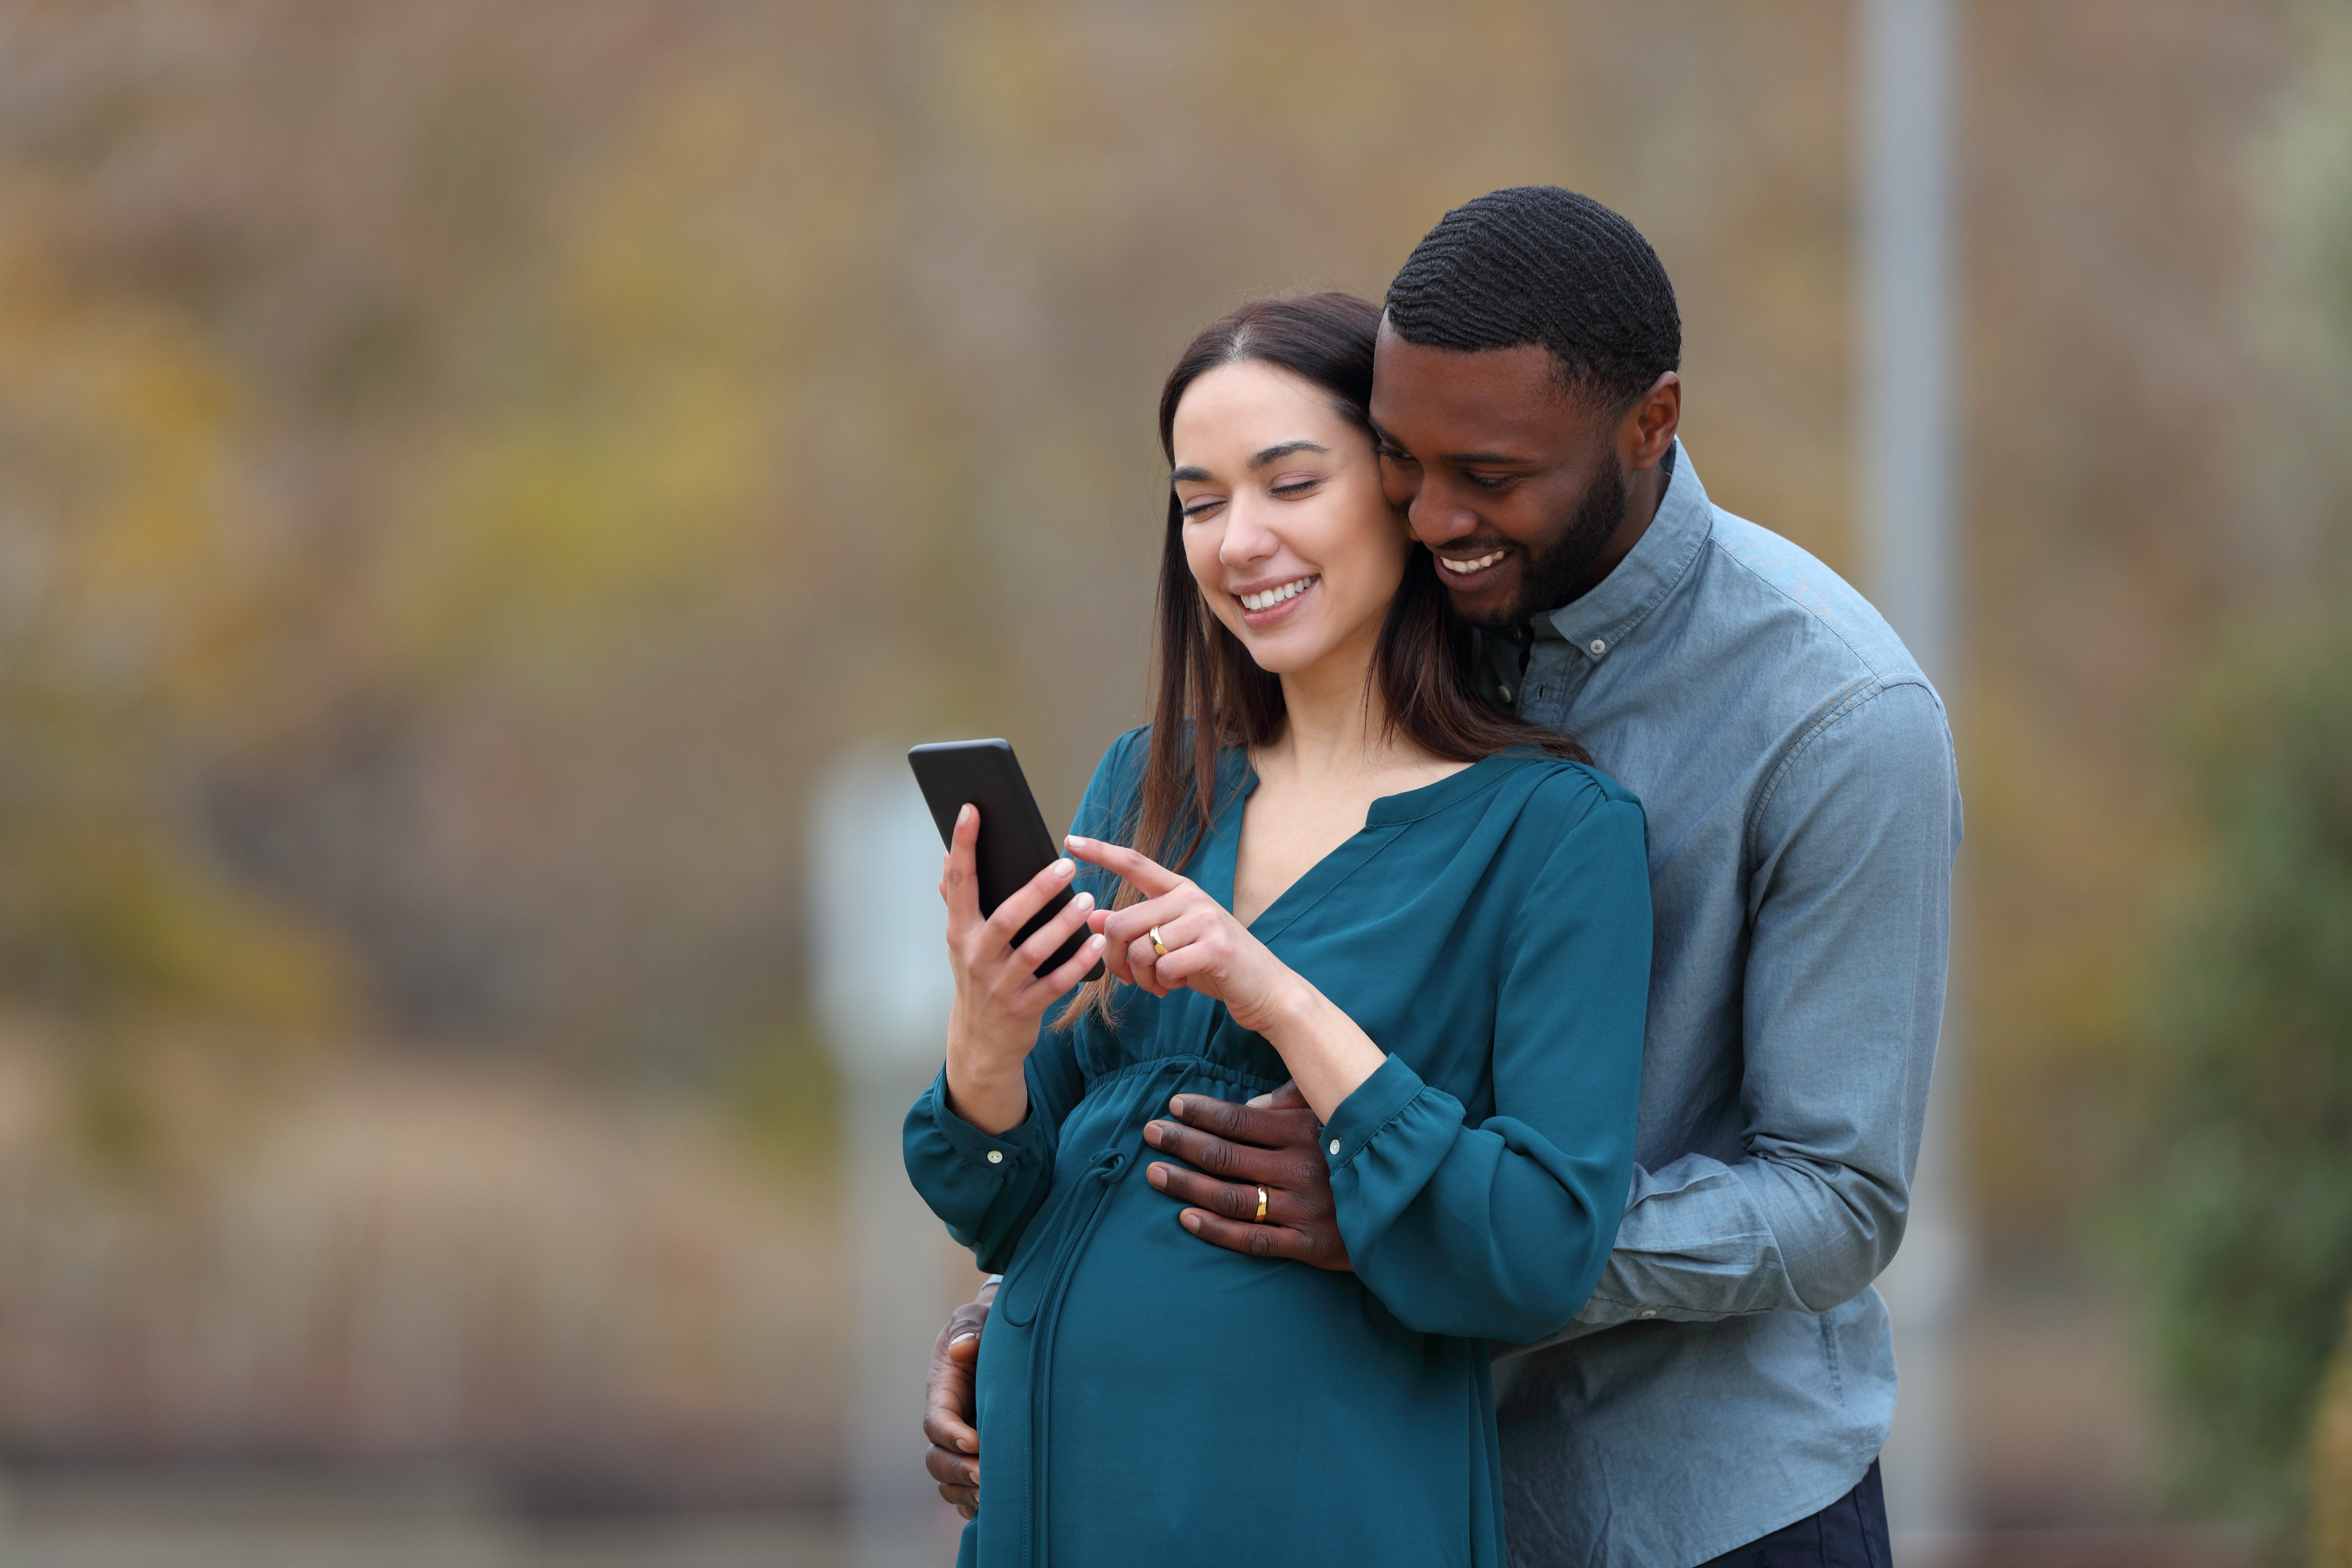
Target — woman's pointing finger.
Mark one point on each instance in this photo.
(1148, 875)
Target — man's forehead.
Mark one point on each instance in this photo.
(1514, 388)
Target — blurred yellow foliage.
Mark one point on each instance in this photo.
(124, 591)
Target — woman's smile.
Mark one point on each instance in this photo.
(1272, 603)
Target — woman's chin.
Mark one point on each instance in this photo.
(1287, 649)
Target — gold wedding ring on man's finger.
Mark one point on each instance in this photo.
(1157, 945)
(1260, 1219)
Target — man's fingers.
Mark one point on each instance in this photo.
(1228, 1161)
(1265, 1126)
(1236, 1236)
(1235, 1200)
(1286, 1098)
(1151, 877)
(952, 1471)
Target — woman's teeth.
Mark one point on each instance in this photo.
(1463, 568)
(1273, 596)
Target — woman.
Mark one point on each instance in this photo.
(1349, 873)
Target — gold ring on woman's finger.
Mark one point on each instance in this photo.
(1157, 945)
(1261, 1207)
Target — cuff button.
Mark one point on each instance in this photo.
(996, 1156)
(1335, 1145)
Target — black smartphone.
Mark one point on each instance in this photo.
(1013, 844)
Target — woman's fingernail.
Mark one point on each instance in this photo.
(1072, 840)
(963, 813)
(1064, 865)
(1083, 901)
(1093, 944)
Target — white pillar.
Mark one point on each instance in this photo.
(882, 985)
(1906, 505)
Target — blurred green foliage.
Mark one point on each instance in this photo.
(2248, 1220)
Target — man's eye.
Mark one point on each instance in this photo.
(1490, 481)
(1388, 453)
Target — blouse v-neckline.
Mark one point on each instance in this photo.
(1383, 820)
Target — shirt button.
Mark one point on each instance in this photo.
(1506, 692)
(1649, 1311)
(996, 1156)
(1335, 1145)
(1600, 644)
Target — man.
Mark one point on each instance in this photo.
(1722, 1397)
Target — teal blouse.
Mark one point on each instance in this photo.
(1145, 1397)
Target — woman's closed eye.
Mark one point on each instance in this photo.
(1292, 489)
(1200, 507)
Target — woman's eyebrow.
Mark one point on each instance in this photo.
(1283, 449)
(1193, 472)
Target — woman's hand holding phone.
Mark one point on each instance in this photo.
(999, 999)
(1211, 952)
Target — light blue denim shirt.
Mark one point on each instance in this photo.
(1734, 1371)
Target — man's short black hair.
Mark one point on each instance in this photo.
(1537, 264)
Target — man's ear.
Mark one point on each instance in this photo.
(1649, 426)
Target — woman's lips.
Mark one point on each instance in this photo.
(1278, 602)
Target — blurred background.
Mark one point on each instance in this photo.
(467, 471)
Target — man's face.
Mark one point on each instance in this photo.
(1513, 483)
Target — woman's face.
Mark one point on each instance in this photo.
(1285, 527)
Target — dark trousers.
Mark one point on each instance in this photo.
(1849, 1533)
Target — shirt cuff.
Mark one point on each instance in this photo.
(1377, 1101)
(1014, 1148)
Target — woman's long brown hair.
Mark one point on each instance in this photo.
(1211, 695)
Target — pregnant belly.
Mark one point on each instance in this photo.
(1190, 1386)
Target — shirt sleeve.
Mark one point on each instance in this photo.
(987, 1188)
(1497, 1231)
(1850, 914)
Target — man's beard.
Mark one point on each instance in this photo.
(1553, 578)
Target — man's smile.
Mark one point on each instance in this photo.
(1476, 564)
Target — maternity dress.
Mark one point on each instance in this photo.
(1147, 1398)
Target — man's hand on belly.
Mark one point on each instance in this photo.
(948, 1415)
(1270, 1143)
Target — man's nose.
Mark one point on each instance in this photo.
(1438, 517)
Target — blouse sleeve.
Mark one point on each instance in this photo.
(986, 1188)
(1499, 1231)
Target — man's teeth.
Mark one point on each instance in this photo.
(1273, 596)
(1463, 568)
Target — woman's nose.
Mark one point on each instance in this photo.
(1247, 538)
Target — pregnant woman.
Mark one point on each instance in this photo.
(1332, 865)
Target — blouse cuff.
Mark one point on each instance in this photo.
(1015, 1148)
(1377, 1101)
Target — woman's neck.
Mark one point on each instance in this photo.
(1338, 723)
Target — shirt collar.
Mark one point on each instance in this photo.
(1596, 623)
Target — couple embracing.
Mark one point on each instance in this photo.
(1525, 922)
